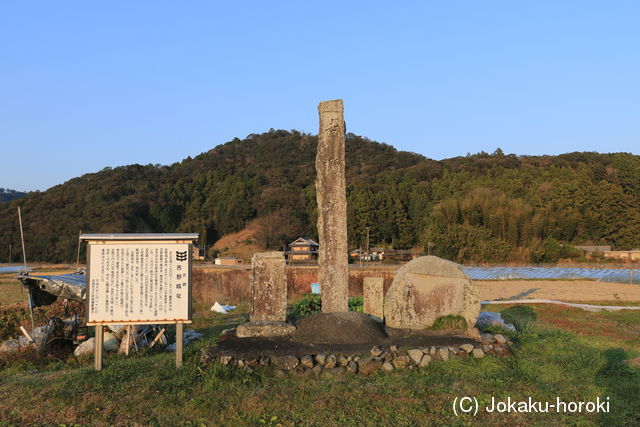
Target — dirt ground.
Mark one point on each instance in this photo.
(570, 290)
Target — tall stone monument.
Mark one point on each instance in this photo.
(333, 273)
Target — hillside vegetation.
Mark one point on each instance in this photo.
(481, 207)
(7, 194)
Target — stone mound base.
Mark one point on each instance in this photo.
(315, 362)
(339, 328)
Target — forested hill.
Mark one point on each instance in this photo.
(6, 194)
(482, 207)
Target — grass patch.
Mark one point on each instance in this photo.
(548, 362)
(449, 322)
(11, 291)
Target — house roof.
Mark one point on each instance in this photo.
(303, 241)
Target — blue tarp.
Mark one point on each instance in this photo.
(617, 275)
(13, 269)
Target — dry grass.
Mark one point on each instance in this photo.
(11, 291)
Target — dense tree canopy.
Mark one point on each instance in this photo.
(482, 207)
(6, 194)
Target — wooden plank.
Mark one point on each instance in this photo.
(179, 344)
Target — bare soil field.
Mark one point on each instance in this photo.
(563, 290)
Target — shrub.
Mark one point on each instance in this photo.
(356, 304)
(308, 304)
(520, 316)
(312, 303)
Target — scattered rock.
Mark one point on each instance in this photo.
(387, 366)
(442, 354)
(330, 362)
(226, 360)
(426, 359)
(307, 361)
(10, 346)
(500, 339)
(86, 347)
(352, 367)
(487, 338)
(286, 363)
(453, 349)
(369, 365)
(477, 353)
(415, 355)
(279, 373)
(110, 343)
(393, 349)
(401, 362)
(264, 361)
(321, 359)
(376, 351)
(467, 348)
(432, 350)
(230, 331)
(486, 347)
(342, 361)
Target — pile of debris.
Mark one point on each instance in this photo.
(125, 339)
(121, 339)
(42, 337)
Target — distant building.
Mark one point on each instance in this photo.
(400, 255)
(197, 254)
(228, 260)
(358, 255)
(376, 254)
(303, 249)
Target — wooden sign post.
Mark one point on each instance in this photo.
(135, 279)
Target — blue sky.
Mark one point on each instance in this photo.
(85, 85)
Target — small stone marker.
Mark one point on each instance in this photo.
(373, 290)
(269, 297)
(333, 273)
(427, 288)
(268, 287)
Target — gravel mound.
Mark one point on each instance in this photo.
(339, 328)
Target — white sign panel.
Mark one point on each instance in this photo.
(139, 282)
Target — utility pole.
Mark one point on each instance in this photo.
(367, 252)
(24, 254)
(10, 252)
(78, 256)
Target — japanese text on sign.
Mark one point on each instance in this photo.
(138, 282)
